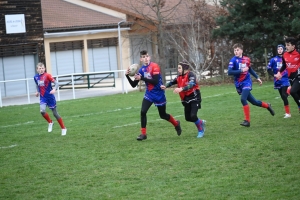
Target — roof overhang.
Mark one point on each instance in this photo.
(86, 32)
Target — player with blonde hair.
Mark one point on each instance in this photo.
(43, 82)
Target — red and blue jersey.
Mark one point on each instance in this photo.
(153, 92)
(236, 64)
(275, 64)
(43, 82)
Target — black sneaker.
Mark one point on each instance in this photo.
(270, 109)
(178, 128)
(141, 137)
(245, 123)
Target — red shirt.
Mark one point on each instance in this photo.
(292, 61)
(183, 81)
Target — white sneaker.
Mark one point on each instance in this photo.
(63, 132)
(287, 115)
(50, 125)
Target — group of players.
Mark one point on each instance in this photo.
(285, 67)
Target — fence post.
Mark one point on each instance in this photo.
(0, 98)
(88, 79)
(28, 93)
(58, 94)
(73, 87)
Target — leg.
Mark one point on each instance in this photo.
(169, 118)
(44, 113)
(187, 112)
(145, 107)
(259, 103)
(58, 118)
(46, 116)
(244, 96)
(200, 124)
(295, 90)
(284, 96)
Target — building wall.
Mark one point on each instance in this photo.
(30, 42)
(84, 39)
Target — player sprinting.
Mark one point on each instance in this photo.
(43, 81)
(150, 74)
(281, 85)
(291, 62)
(240, 67)
(189, 92)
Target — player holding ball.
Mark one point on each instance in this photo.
(150, 74)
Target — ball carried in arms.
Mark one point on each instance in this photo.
(133, 69)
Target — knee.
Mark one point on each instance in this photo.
(43, 112)
(193, 117)
(164, 116)
(143, 113)
(187, 118)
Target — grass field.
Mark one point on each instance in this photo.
(100, 158)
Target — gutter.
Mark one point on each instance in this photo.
(77, 33)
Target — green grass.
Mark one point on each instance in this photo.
(101, 159)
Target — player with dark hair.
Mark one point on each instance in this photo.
(150, 74)
(240, 67)
(43, 82)
(189, 92)
(291, 63)
(281, 85)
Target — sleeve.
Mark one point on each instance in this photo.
(36, 84)
(283, 67)
(269, 68)
(131, 82)
(155, 75)
(191, 83)
(231, 70)
(154, 80)
(172, 82)
(56, 84)
(50, 78)
(253, 73)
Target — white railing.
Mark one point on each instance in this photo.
(124, 85)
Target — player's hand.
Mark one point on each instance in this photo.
(177, 90)
(163, 87)
(37, 94)
(288, 91)
(52, 91)
(278, 76)
(127, 71)
(137, 77)
(245, 69)
(260, 82)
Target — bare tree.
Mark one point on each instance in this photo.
(152, 16)
(190, 35)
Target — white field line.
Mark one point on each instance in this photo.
(20, 124)
(11, 146)
(121, 109)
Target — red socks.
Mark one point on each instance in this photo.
(247, 112)
(287, 109)
(46, 116)
(143, 131)
(61, 123)
(264, 105)
(173, 121)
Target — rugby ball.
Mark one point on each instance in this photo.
(133, 69)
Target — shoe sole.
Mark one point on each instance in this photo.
(245, 125)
